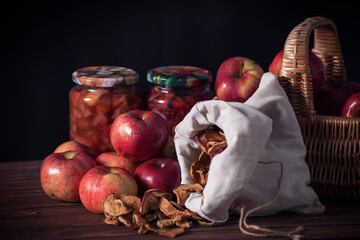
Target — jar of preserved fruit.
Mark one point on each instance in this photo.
(175, 91)
(100, 95)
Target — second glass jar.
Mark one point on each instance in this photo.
(175, 90)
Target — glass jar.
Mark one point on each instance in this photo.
(100, 95)
(175, 91)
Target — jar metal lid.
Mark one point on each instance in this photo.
(179, 76)
(105, 76)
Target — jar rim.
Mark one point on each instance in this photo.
(105, 76)
(179, 76)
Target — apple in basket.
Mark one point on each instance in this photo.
(159, 173)
(101, 181)
(351, 107)
(237, 79)
(139, 135)
(332, 95)
(61, 173)
(316, 66)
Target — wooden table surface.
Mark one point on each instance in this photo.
(26, 212)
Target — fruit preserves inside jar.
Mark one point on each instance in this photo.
(93, 107)
(176, 90)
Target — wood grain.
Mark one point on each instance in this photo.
(26, 212)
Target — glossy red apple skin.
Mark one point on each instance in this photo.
(61, 173)
(112, 159)
(160, 173)
(101, 181)
(351, 107)
(75, 146)
(316, 66)
(237, 79)
(331, 97)
(139, 135)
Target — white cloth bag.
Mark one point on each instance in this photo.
(264, 128)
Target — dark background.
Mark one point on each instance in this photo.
(43, 42)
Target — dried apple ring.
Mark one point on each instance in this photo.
(181, 192)
(114, 207)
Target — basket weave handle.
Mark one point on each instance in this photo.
(295, 74)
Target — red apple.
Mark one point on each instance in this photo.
(332, 96)
(139, 135)
(101, 181)
(75, 146)
(60, 174)
(316, 66)
(351, 107)
(237, 79)
(112, 159)
(160, 173)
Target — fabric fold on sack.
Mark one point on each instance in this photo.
(265, 129)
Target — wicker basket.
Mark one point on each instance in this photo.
(333, 143)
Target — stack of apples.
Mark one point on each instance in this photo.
(334, 96)
(74, 172)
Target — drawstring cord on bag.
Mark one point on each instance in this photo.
(265, 232)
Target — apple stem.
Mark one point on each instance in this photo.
(241, 69)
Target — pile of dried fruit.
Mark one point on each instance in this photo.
(156, 211)
(212, 141)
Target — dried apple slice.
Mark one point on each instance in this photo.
(160, 193)
(143, 229)
(177, 206)
(169, 209)
(149, 202)
(159, 214)
(201, 141)
(204, 159)
(210, 138)
(181, 192)
(200, 168)
(140, 222)
(127, 220)
(202, 175)
(213, 135)
(181, 195)
(150, 217)
(165, 223)
(114, 207)
(183, 224)
(194, 174)
(131, 201)
(217, 148)
(193, 215)
(111, 220)
(168, 232)
(206, 223)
